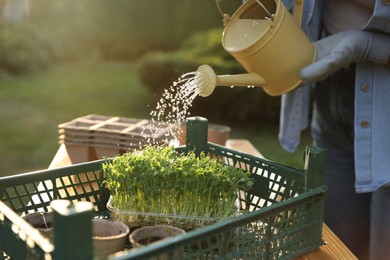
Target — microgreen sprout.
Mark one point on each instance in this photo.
(161, 180)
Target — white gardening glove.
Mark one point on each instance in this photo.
(342, 49)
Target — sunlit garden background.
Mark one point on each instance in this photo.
(63, 59)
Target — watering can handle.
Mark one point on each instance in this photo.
(226, 17)
(265, 9)
(298, 10)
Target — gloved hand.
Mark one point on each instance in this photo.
(342, 49)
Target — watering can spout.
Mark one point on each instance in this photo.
(208, 80)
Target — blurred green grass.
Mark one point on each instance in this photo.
(32, 106)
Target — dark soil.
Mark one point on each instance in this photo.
(43, 226)
(149, 240)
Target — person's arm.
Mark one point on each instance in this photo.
(342, 49)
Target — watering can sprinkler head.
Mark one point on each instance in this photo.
(207, 80)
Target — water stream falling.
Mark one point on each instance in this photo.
(173, 107)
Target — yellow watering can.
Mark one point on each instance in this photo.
(268, 42)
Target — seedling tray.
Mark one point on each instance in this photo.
(283, 219)
(114, 132)
(136, 219)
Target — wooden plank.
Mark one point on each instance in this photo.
(243, 145)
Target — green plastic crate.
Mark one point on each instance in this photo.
(284, 220)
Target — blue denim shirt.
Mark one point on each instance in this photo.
(372, 106)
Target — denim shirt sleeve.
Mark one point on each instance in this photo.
(294, 114)
(380, 19)
(289, 4)
(294, 117)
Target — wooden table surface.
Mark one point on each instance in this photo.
(333, 249)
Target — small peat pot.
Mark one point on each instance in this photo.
(42, 221)
(109, 236)
(149, 234)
